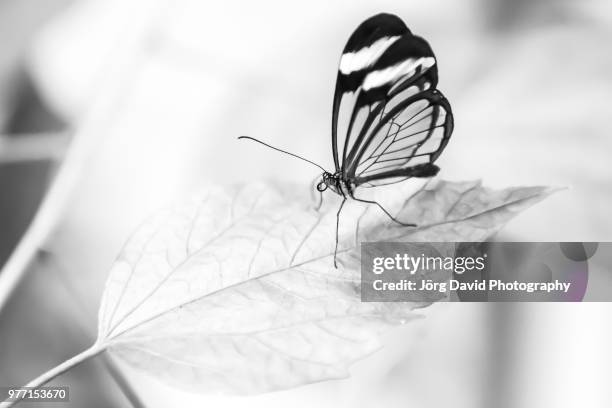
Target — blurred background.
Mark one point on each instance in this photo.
(156, 93)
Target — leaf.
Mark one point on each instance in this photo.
(236, 291)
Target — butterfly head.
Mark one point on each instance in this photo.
(329, 180)
(326, 179)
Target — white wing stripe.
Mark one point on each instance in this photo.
(391, 74)
(363, 58)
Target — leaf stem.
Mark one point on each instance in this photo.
(44, 378)
(109, 364)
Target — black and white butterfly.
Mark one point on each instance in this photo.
(389, 122)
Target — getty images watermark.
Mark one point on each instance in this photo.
(466, 271)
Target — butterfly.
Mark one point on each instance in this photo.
(389, 122)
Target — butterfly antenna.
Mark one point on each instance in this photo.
(281, 150)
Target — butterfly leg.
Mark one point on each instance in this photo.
(318, 207)
(405, 224)
(320, 198)
(337, 230)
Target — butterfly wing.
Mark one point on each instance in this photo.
(397, 123)
(405, 142)
(363, 48)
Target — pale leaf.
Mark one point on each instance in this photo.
(236, 291)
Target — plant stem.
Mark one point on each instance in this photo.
(109, 364)
(60, 369)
